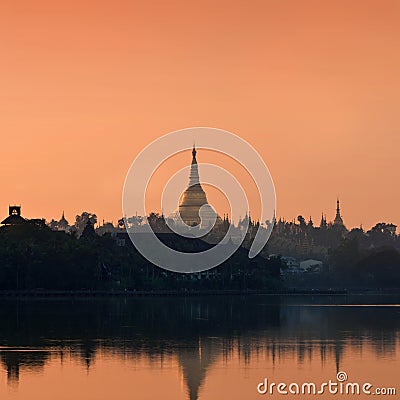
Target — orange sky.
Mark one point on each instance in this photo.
(313, 85)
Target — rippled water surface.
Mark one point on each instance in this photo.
(210, 348)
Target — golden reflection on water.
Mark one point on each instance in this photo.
(188, 376)
(284, 343)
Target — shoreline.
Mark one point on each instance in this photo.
(188, 293)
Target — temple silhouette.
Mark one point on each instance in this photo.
(14, 216)
(194, 209)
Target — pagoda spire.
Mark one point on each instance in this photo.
(194, 198)
(323, 221)
(338, 219)
(194, 171)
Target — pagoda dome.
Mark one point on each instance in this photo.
(194, 209)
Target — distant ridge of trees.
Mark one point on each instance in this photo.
(33, 256)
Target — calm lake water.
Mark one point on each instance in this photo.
(211, 348)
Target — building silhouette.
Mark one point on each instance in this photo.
(14, 216)
(194, 209)
(63, 223)
(338, 221)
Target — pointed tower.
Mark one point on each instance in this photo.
(63, 223)
(323, 221)
(338, 219)
(194, 170)
(194, 197)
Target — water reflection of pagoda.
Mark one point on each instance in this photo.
(15, 359)
(195, 331)
(195, 361)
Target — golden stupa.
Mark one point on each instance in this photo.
(194, 198)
